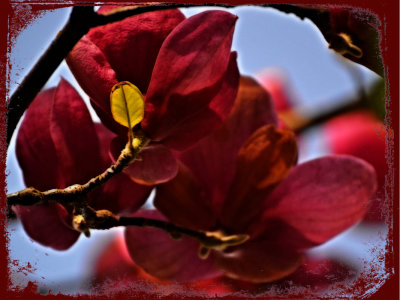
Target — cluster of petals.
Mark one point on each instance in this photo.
(58, 145)
(183, 67)
(243, 179)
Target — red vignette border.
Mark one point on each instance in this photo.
(388, 13)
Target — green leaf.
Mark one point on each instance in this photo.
(127, 104)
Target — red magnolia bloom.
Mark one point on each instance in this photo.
(59, 145)
(184, 68)
(277, 84)
(361, 134)
(242, 179)
(285, 100)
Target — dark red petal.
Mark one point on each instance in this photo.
(165, 258)
(46, 224)
(259, 261)
(212, 161)
(35, 149)
(93, 72)
(131, 46)
(185, 202)
(105, 137)
(360, 134)
(39, 161)
(119, 194)
(190, 66)
(201, 123)
(156, 165)
(108, 120)
(74, 137)
(262, 162)
(323, 197)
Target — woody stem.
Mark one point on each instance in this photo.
(73, 193)
(87, 218)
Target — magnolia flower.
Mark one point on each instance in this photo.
(184, 68)
(243, 179)
(362, 134)
(59, 145)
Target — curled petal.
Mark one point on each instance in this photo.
(263, 161)
(199, 124)
(182, 198)
(131, 46)
(165, 258)
(74, 137)
(259, 261)
(47, 225)
(156, 163)
(190, 65)
(323, 197)
(35, 149)
(212, 160)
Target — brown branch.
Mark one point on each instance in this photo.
(299, 124)
(86, 218)
(77, 26)
(73, 193)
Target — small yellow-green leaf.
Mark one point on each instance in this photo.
(127, 104)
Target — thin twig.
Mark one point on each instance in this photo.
(86, 218)
(71, 194)
(299, 124)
